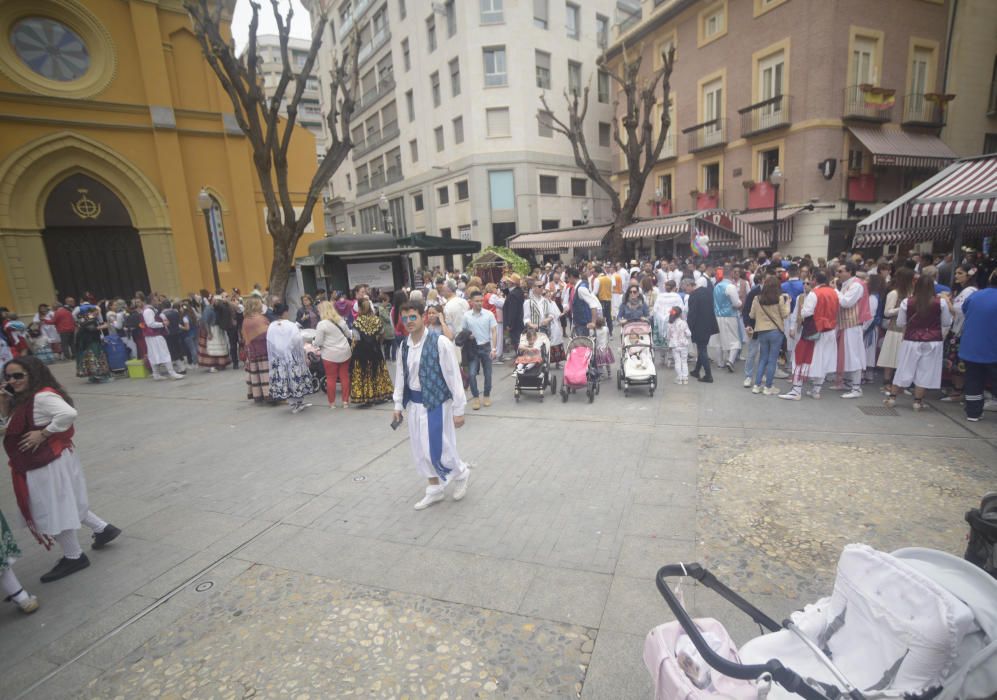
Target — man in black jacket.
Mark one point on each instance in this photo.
(512, 311)
(703, 324)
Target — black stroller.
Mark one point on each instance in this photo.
(535, 375)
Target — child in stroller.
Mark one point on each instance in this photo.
(533, 364)
(637, 359)
(314, 360)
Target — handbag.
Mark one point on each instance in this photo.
(809, 330)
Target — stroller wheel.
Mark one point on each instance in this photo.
(597, 388)
(541, 397)
(650, 394)
(553, 385)
(619, 380)
(516, 395)
(564, 396)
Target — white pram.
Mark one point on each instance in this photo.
(636, 358)
(916, 624)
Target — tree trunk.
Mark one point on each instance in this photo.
(623, 218)
(284, 243)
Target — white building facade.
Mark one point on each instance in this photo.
(271, 68)
(446, 130)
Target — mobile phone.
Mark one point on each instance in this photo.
(395, 422)
(7, 390)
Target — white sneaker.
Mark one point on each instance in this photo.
(158, 377)
(176, 376)
(429, 499)
(300, 407)
(747, 382)
(770, 391)
(756, 389)
(855, 393)
(990, 405)
(461, 489)
(213, 370)
(781, 374)
(791, 396)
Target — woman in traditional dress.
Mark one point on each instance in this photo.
(48, 478)
(10, 587)
(956, 368)
(91, 360)
(254, 340)
(903, 285)
(289, 375)
(369, 379)
(212, 340)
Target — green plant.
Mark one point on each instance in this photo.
(518, 264)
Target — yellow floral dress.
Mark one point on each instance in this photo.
(369, 378)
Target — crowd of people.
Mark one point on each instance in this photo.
(912, 324)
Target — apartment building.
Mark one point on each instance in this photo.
(310, 107)
(446, 130)
(846, 98)
(971, 120)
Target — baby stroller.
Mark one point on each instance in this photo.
(916, 623)
(580, 371)
(637, 358)
(533, 368)
(314, 359)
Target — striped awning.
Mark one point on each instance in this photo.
(970, 188)
(560, 239)
(906, 149)
(663, 228)
(896, 222)
(764, 216)
(725, 229)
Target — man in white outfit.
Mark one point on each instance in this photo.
(429, 388)
(157, 351)
(852, 313)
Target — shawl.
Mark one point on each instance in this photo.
(284, 343)
(344, 307)
(253, 327)
(368, 325)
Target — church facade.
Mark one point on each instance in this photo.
(111, 125)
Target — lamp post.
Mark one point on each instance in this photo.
(775, 179)
(382, 204)
(204, 203)
(585, 213)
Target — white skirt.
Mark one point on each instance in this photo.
(920, 364)
(825, 359)
(217, 343)
(891, 347)
(854, 349)
(58, 494)
(157, 350)
(418, 430)
(730, 333)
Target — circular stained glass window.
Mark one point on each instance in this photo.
(50, 49)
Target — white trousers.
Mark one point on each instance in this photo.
(919, 364)
(418, 431)
(854, 349)
(680, 356)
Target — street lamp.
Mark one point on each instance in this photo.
(204, 203)
(585, 213)
(382, 204)
(775, 179)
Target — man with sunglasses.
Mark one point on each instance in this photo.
(429, 389)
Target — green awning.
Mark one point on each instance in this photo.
(437, 245)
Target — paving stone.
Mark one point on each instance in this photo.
(617, 669)
(641, 557)
(565, 595)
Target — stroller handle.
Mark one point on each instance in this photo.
(785, 677)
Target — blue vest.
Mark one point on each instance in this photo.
(721, 302)
(434, 386)
(581, 312)
(794, 288)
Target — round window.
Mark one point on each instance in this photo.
(50, 49)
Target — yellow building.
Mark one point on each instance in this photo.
(111, 122)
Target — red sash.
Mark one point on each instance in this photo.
(21, 423)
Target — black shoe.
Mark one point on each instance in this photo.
(102, 539)
(694, 374)
(730, 367)
(66, 567)
(705, 380)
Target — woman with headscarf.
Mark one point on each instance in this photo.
(212, 340)
(254, 340)
(91, 360)
(289, 375)
(369, 379)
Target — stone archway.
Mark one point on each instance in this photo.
(27, 178)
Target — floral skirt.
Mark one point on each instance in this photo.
(9, 551)
(953, 366)
(370, 383)
(92, 363)
(604, 356)
(289, 380)
(557, 354)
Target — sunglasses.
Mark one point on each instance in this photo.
(15, 376)
(410, 317)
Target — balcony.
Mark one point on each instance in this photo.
(373, 95)
(767, 115)
(924, 110)
(376, 42)
(662, 207)
(393, 175)
(356, 13)
(668, 149)
(709, 134)
(628, 14)
(707, 200)
(375, 139)
(869, 103)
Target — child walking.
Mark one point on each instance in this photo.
(679, 336)
(603, 353)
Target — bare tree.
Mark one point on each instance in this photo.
(259, 116)
(641, 148)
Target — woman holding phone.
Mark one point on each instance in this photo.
(48, 477)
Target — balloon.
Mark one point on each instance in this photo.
(700, 244)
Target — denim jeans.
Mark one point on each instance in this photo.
(481, 356)
(769, 343)
(751, 358)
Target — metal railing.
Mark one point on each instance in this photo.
(861, 104)
(668, 149)
(921, 111)
(709, 134)
(773, 113)
(356, 14)
(376, 42)
(394, 175)
(368, 99)
(374, 139)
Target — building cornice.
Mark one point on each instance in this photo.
(659, 17)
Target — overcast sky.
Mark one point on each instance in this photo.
(300, 24)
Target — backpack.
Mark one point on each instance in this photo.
(982, 547)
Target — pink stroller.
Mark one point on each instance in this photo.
(580, 371)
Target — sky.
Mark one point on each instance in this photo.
(300, 24)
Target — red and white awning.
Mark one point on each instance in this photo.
(725, 229)
(971, 188)
(905, 149)
(560, 239)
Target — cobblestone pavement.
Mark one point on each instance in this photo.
(253, 539)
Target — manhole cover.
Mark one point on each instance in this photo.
(360, 477)
(878, 411)
(204, 586)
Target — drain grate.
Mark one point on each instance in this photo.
(878, 411)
